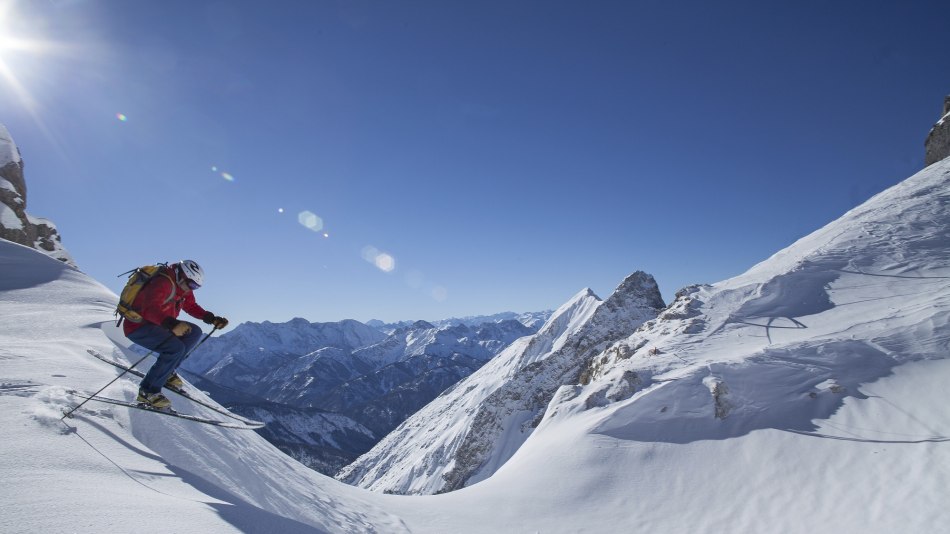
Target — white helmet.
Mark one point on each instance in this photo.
(192, 271)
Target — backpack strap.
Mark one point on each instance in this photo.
(174, 293)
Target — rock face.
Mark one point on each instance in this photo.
(15, 223)
(937, 145)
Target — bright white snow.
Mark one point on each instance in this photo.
(8, 149)
(807, 395)
(9, 219)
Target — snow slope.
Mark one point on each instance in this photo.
(806, 396)
(111, 469)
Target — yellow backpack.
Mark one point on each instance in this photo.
(138, 277)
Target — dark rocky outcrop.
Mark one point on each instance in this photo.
(15, 223)
(937, 146)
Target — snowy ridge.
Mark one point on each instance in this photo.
(490, 414)
(798, 333)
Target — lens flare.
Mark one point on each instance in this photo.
(280, 210)
(310, 221)
(369, 253)
(386, 263)
(227, 176)
(439, 293)
(381, 260)
(121, 117)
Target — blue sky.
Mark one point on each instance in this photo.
(484, 156)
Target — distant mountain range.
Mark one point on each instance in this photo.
(530, 319)
(330, 391)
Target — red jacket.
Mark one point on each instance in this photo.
(160, 302)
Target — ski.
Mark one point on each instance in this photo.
(169, 411)
(181, 392)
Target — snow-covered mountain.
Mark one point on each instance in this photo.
(369, 381)
(414, 365)
(804, 396)
(15, 223)
(470, 431)
(533, 320)
(321, 440)
(259, 347)
(794, 338)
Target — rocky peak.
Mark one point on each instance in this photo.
(637, 299)
(937, 145)
(639, 290)
(15, 223)
(422, 325)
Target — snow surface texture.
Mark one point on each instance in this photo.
(728, 412)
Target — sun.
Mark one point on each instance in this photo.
(19, 54)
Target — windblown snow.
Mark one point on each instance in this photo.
(806, 395)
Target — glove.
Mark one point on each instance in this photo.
(181, 329)
(178, 328)
(212, 319)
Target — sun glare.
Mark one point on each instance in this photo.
(11, 47)
(21, 55)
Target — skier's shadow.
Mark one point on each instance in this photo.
(244, 516)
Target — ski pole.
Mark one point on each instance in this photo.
(199, 343)
(142, 359)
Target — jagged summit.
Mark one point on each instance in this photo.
(422, 325)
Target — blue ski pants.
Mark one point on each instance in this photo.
(170, 348)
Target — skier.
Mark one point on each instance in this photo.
(159, 303)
